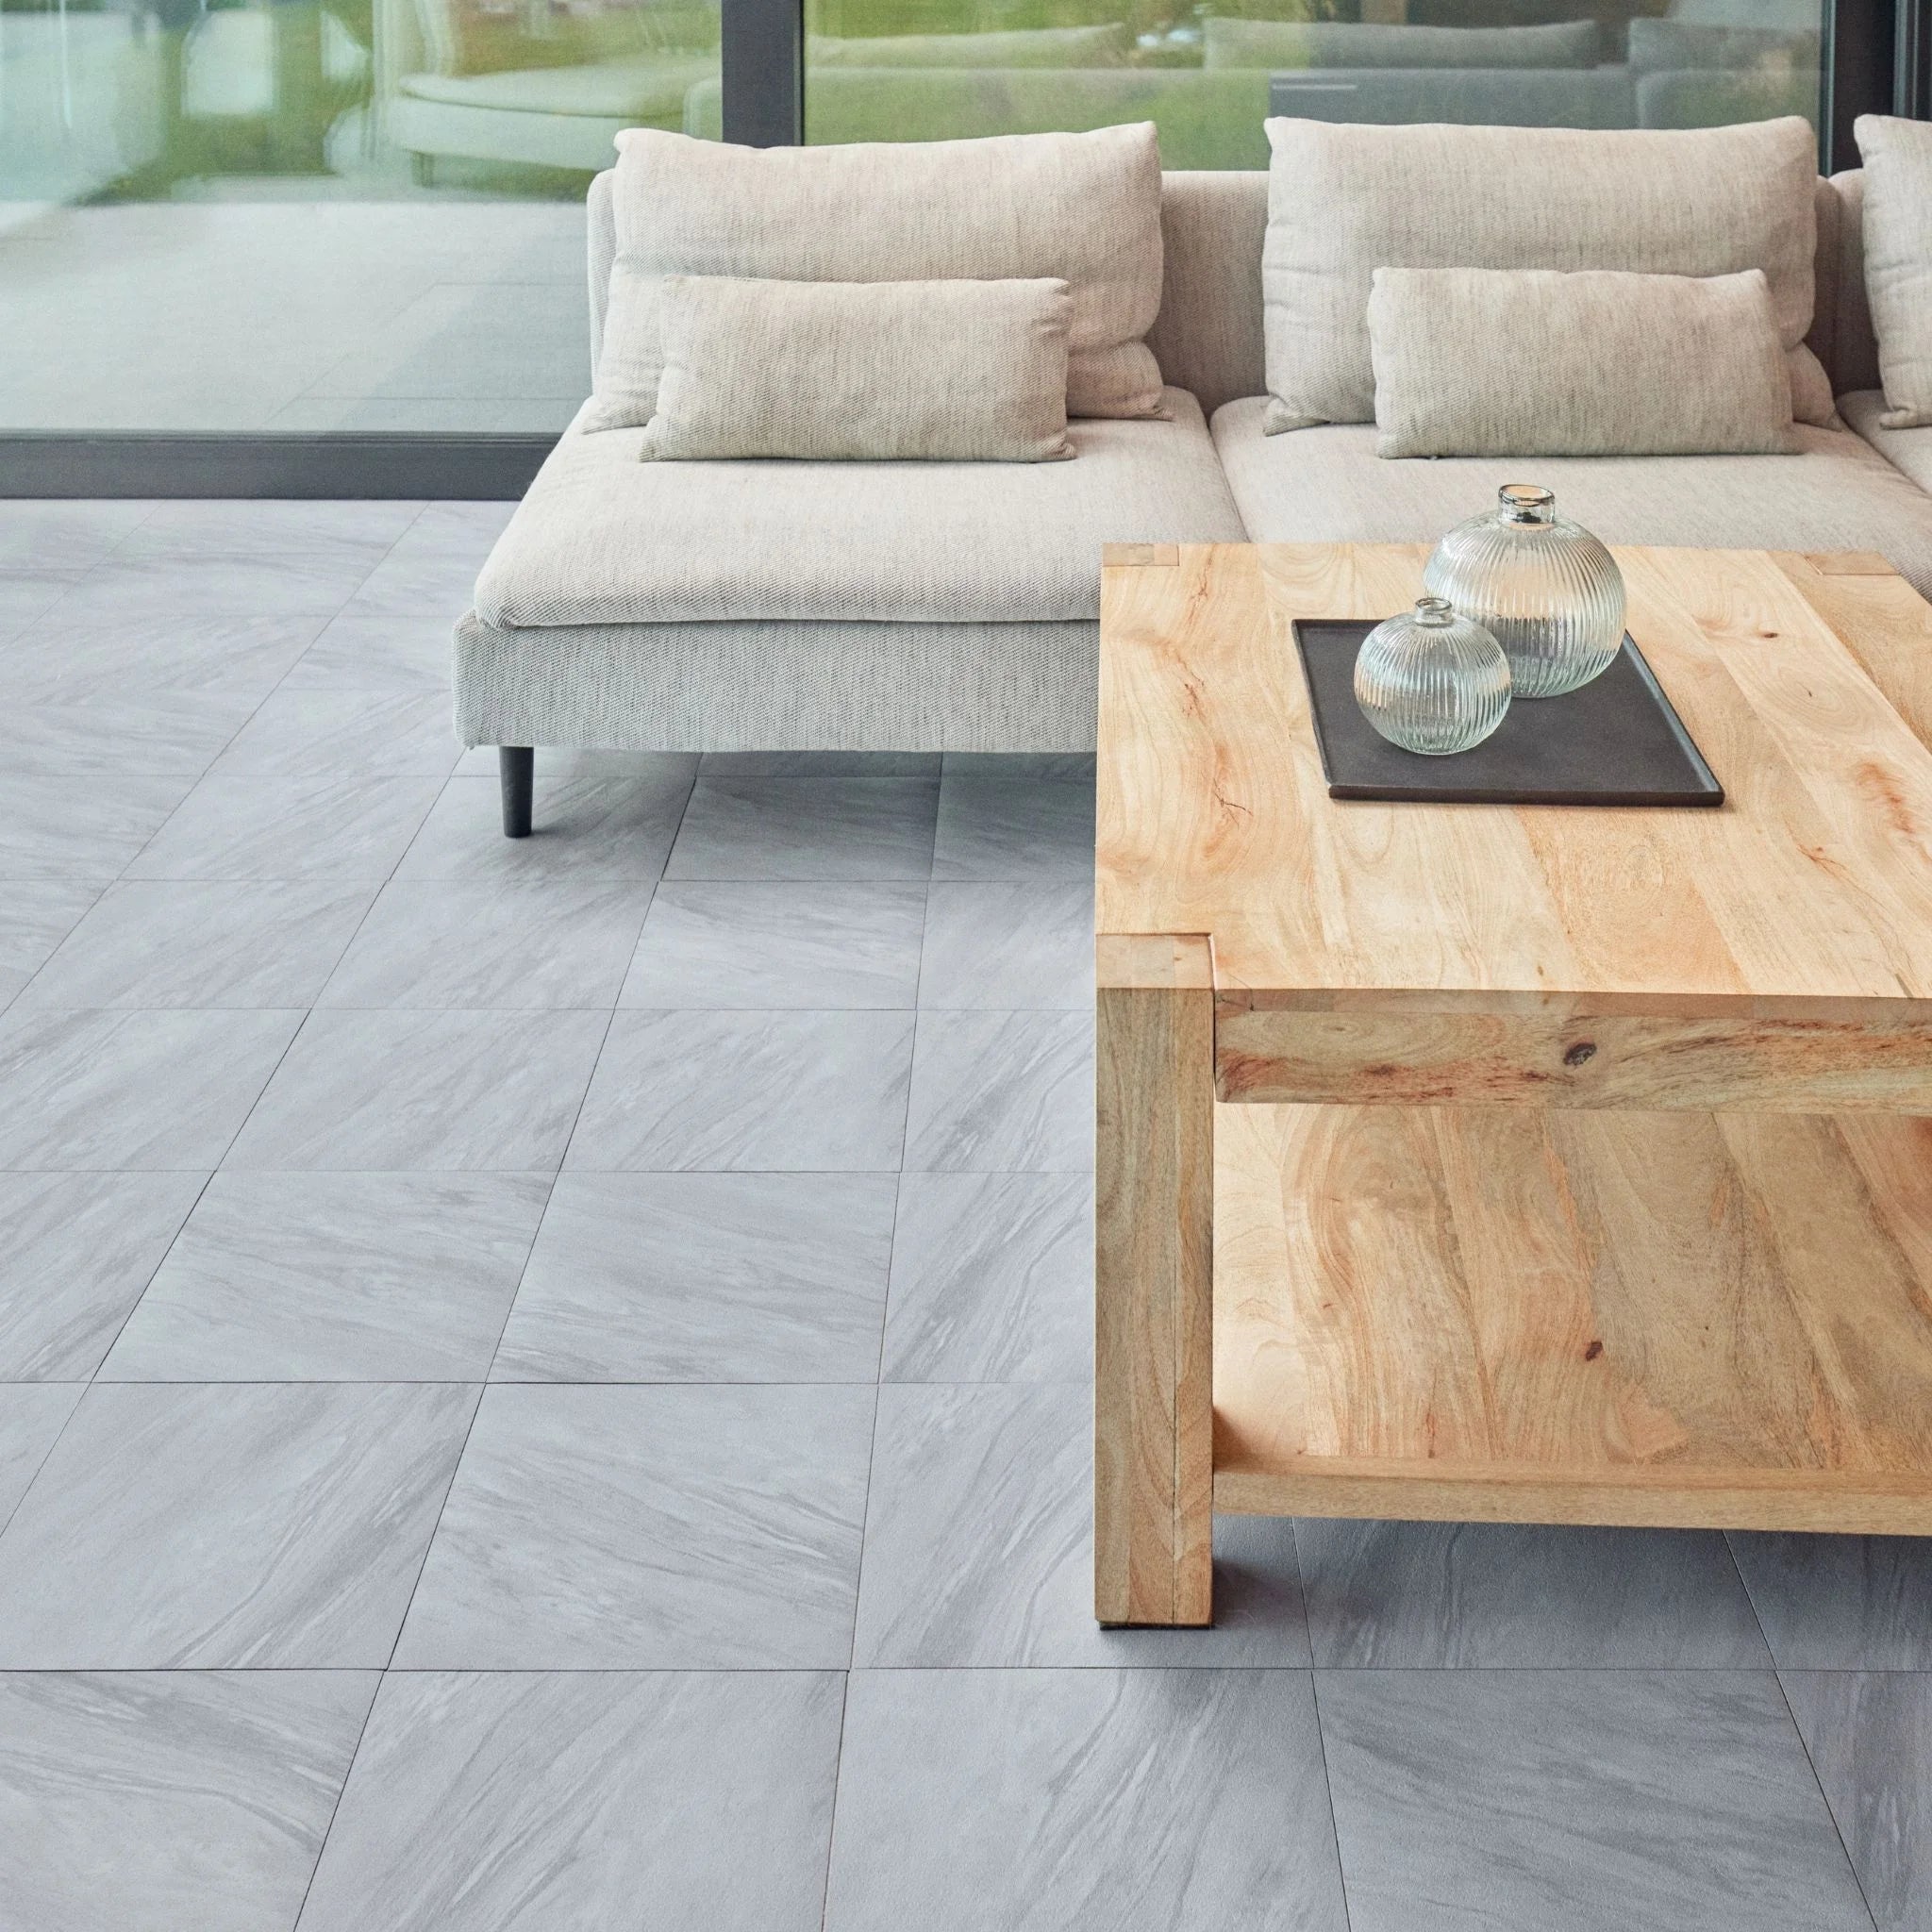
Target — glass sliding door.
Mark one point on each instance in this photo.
(309, 215)
(1209, 75)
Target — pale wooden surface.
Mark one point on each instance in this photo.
(1813, 881)
(1502, 1314)
(1153, 1395)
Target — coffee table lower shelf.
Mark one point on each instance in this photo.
(1520, 1315)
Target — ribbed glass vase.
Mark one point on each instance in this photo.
(1432, 681)
(1548, 591)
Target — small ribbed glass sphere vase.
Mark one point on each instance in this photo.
(1432, 681)
(1548, 591)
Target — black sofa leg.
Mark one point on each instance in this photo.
(517, 765)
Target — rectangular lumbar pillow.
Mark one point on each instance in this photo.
(1082, 208)
(1898, 261)
(1040, 46)
(935, 371)
(1288, 43)
(1595, 362)
(1344, 200)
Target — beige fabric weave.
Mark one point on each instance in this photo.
(1327, 486)
(1898, 261)
(1289, 44)
(1480, 362)
(1345, 200)
(1084, 208)
(602, 538)
(962, 372)
(1046, 46)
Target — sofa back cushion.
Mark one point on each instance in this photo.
(1618, 364)
(1084, 208)
(1287, 43)
(870, 371)
(1208, 336)
(1898, 261)
(1346, 200)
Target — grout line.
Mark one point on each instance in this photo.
(838, 1773)
(335, 1809)
(1327, 1782)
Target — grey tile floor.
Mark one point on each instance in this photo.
(546, 1384)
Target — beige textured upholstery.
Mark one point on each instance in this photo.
(605, 539)
(1327, 484)
(1898, 261)
(1909, 450)
(1622, 364)
(1084, 208)
(761, 686)
(1345, 200)
(971, 372)
(1841, 330)
(1207, 336)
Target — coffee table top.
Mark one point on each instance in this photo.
(1810, 888)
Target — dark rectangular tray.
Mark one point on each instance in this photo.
(1616, 741)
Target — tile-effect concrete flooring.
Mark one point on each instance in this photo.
(546, 1384)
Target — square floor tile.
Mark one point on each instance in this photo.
(979, 1546)
(78, 1251)
(1450, 1595)
(55, 534)
(349, 531)
(647, 1529)
(32, 1414)
(704, 1277)
(432, 942)
(764, 945)
(1592, 1800)
(160, 732)
(34, 919)
(174, 1802)
(1011, 825)
(273, 1527)
(512, 1800)
(1869, 1734)
(335, 1278)
(993, 1279)
(281, 582)
(156, 942)
(1189, 1800)
(783, 1092)
(1002, 1092)
(1840, 1602)
(994, 945)
(60, 659)
(345, 734)
(288, 828)
(800, 828)
(377, 653)
(80, 828)
(133, 1090)
(592, 825)
(424, 1090)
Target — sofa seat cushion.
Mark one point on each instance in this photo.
(1909, 450)
(653, 89)
(1327, 484)
(604, 537)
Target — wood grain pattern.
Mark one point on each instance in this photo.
(1153, 1402)
(1811, 882)
(1620, 1317)
(1569, 1050)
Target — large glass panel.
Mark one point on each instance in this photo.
(1209, 73)
(293, 215)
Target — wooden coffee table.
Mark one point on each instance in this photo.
(1510, 1163)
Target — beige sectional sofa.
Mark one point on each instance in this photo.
(908, 606)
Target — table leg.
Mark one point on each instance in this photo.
(1154, 1258)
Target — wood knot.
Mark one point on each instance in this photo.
(1595, 1349)
(1583, 1050)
